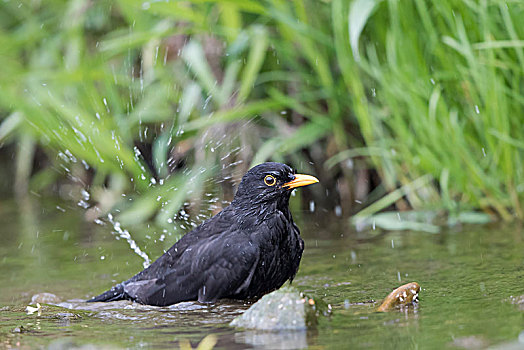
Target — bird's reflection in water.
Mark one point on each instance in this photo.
(273, 340)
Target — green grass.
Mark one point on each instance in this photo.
(448, 81)
(410, 89)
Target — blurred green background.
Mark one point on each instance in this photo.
(143, 108)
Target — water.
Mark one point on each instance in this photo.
(467, 277)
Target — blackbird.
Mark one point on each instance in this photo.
(250, 248)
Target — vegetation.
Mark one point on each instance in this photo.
(152, 99)
(449, 102)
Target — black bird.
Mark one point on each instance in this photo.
(250, 248)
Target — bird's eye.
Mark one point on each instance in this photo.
(270, 180)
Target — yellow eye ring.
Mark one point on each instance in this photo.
(270, 180)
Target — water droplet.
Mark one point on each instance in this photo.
(105, 103)
(166, 54)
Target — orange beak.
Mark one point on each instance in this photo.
(300, 180)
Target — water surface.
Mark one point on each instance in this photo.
(468, 276)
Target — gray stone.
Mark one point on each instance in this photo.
(283, 309)
(45, 298)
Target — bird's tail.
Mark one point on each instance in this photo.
(115, 293)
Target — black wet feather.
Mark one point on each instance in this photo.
(250, 248)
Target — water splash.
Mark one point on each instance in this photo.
(84, 202)
(122, 233)
(311, 206)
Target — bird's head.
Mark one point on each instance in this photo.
(270, 183)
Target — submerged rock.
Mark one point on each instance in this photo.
(401, 297)
(283, 309)
(471, 342)
(49, 311)
(21, 329)
(66, 316)
(45, 298)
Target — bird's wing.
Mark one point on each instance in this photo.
(213, 261)
(217, 268)
(228, 265)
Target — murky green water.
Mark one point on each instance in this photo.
(467, 276)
